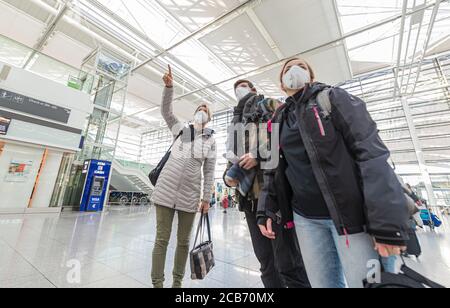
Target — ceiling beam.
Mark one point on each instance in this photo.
(329, 44)
(133, 115)
(443, 78)
(427, 43)
(156, 46)
(265, 34)
(48, 32)
(397, 86)
(337, 14)
(96, 36)
(213, 25)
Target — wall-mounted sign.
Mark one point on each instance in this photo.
(33, 106)
(19, 171)
(4, 125)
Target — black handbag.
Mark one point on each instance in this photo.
(407, 279)
(202, 256)
(154, 174)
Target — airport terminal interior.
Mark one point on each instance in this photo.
(82, 126)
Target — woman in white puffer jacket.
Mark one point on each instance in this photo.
(184, 186)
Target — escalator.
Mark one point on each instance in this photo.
(129, 175)
(129, 184)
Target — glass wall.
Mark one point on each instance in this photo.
(428, 104)
(21, 56)
(414, 121)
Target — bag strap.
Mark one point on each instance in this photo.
(175, 140)
(324, 101)
(418, 277)
(204, 220)
(208, 226)
(199, 227)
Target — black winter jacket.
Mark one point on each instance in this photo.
(350, 163)
(245, 106)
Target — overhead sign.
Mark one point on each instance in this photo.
(33, 106)
(4, 125)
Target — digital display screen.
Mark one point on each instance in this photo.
(4, 125)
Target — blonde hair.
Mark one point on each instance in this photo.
(208, 110)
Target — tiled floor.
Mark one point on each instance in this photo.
(114, 250)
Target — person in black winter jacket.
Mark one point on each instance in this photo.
(333, 180)
(280, 259)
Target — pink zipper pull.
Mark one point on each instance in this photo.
(290, 225)
(347, 240)
(319, 121)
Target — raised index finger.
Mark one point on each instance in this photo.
(170, 70)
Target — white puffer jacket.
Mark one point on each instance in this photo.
(190, 168)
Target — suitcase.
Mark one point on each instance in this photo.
(413, 246)
(429, 219)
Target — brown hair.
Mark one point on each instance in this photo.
(311, 71)
(241, 81)
(208, 110)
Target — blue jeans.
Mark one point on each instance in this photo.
(329, 262)
(390, 264)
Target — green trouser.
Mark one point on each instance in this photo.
(164, 222)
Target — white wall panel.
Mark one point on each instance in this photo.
(36, 134)
(22, 28)
(66, 50)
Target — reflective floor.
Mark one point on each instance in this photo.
(114, 250)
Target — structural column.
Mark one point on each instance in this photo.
(419, 153)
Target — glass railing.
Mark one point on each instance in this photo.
(21, 56)
(129, 164)
(145, 168)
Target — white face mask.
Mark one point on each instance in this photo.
(296, 78)
(242, 92)
(201, 118)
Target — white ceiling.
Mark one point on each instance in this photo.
(265, 33)
(240, 45)
(299, 25)
(13, 24)
(194, 14)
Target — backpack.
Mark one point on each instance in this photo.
(250, 109)
(263, 111)
(324, 102)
